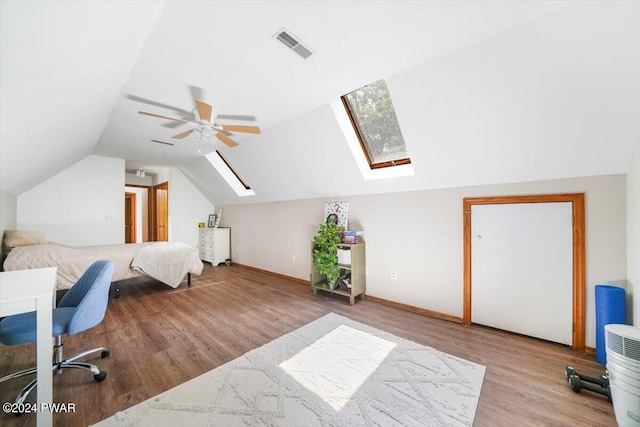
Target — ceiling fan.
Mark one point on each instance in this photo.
(206, 126)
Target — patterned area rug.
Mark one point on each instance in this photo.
(331, 372)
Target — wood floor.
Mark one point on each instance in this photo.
(160, 338)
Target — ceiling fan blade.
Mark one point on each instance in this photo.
(172, 124)
(157, 104)
(196, 92)
(224, 138)
(236, 117)
(183, 134)
(239, 128)
(204, 111)
(162, 117)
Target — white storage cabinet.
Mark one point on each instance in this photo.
(214, 245)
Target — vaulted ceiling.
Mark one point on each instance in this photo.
(485, 91)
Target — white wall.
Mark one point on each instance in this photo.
(187, 207)
(419, 235)
(633, 237)
(8, 209)
(161, 175)
(70, 207)
(133, 179)
(82, 205)
(8, 215)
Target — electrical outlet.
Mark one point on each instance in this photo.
(107, 217)
(394, 275)
(237, 248)
(293, 258)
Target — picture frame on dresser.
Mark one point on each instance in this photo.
(213, 219)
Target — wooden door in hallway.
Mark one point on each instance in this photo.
(129, 217)
(161, 197)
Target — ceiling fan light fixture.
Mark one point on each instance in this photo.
(207, 132)
(196, 114)
(205, 126)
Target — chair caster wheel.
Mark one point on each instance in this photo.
(100, 377)
(574, 383)
(105, 353)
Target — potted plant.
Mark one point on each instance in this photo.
(325, 254)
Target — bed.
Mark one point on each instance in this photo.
(166, 262)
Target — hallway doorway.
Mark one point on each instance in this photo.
(130, 223)
(161, 208)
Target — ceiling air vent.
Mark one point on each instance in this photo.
(285, 37)
(161, 142)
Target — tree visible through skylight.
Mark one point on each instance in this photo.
(374, 120)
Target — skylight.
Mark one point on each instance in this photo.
(229, 174)
(374, 120)
(371, 129)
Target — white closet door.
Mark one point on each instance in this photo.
(522, 268)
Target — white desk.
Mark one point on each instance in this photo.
(22, 291)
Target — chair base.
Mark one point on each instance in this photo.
(58, 365)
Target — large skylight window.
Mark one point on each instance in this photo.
(374, 121)
(229, 174)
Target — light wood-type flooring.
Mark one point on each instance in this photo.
(160, 337)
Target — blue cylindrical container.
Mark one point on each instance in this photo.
(611, 307)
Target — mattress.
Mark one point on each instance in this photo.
(164, 261)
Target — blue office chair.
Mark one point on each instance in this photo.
(81, 308)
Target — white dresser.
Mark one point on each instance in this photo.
(214, 245)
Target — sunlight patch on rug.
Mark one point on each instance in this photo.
(335, 366)
(331, 372)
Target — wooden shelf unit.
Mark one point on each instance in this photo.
(357, 269)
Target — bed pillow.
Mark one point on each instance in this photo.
(15, 238)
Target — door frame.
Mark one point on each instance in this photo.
(155, 188)
(577, 201)
(134, 216)
(149, 221)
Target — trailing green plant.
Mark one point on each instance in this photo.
(325, 254)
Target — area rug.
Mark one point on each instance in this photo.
(331, 372)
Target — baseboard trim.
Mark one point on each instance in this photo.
(271, 273)
(414, 309)
(588, 350)
(383, 301)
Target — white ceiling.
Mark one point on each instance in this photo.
(485, 91)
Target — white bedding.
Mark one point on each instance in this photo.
(167, 262)
(171, 264)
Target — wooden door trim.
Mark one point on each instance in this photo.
(154, 229)
(149, 236)
(134, 222)
(577, 200)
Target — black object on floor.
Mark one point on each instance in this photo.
(578, 382)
